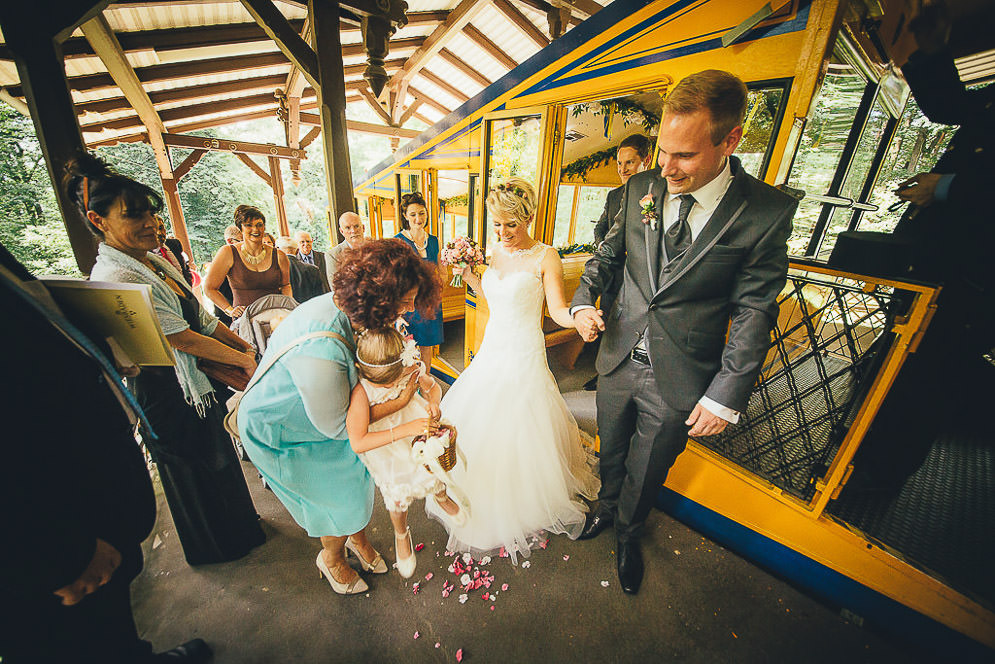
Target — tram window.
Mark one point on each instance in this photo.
(917, 144)
(513, 150)
(577, 210)
(454, 199)
(821, 146)
(763, 107)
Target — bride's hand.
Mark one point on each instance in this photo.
(462, 271)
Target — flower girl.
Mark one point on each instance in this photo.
(385, 446)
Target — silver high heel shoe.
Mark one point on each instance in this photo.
(405, 566)
(354, 588)
(376, 566)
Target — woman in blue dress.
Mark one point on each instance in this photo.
(292, 421)
(426, 330)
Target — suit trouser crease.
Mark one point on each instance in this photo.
(641, 438)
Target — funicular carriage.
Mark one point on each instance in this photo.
(824, 114)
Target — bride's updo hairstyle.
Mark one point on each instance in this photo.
(515, 198)
(378, 355)
(93, 186)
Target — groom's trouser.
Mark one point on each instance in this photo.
(641, 437)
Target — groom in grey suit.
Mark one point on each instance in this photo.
(701, 252)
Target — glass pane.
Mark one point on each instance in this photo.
(410, 182)
(592, 137)
(589, 208)
(821, 146)
(454, 200)
(856, 177)
(758, 127)
(917, 144)
(514, 151)
(564, 207)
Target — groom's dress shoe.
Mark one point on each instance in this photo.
(630, 566)
(595, 524)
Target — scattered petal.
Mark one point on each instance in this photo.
(604, 584)
(463, 598)
(437, 644)
(465, 580)
(492, 607)
(527, 564)
(467, 558)
(419, 546)
(485, 596)
(493, 597)
(417, 635)
(543, 543)
(459, 655)
(448, 553)
(566, 557)
(485, 560)
(428, 577)
(504, 586)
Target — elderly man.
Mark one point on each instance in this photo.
(305, 280)
(354, 233)
(700, 247)
(307, 255)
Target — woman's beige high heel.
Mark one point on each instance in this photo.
(376, 566)
(354, 588)
(405, 566)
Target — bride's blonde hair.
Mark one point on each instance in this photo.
(515, 198)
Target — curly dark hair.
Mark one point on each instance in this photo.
(371, 281)
(93, 185)
(246, 213)
(413, 198)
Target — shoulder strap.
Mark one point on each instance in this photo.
(299, 340)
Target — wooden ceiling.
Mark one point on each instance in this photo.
(206, 63)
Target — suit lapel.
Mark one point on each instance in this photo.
(657, 188)
(729, 210)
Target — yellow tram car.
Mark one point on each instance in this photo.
(824, 111)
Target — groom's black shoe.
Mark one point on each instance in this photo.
(595, 523)
(630, 565)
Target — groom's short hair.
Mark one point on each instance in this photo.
(722, 94)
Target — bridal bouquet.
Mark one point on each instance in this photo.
(462, 252)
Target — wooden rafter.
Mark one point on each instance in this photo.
(278, 28)
(227, 145)
(423, 118)
(187, 93)
(455, 61)
(460, 16)
(546, 8)
(309, 137)
(364, 127)
(490, 47)
(98, 32)
(588, 7)
(254, 167)
(447, 87)
(523, 23)
(409, 112)
(428, 100)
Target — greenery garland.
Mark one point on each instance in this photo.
(580, 167)
(580, 248)
(628, 109)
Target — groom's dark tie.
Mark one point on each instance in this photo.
(678, 237)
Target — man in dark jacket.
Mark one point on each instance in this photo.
(76, 499)
(305, 280)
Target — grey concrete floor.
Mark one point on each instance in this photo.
(698, 603)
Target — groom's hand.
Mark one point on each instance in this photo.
(704, 423)
(589, 323)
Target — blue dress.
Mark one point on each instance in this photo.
(292, 424)
(427, 332)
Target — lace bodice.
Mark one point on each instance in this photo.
(513, 288)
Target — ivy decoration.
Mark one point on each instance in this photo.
(580, 167)
(579, 248)
(629, 110)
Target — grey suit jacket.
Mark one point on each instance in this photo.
(728, 279)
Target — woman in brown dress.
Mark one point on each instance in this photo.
(252, 268)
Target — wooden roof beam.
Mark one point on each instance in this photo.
(546, 8)
(410, 111)
(278, 28)
(364, 127)
(489, 47)
(523, 23)
(428, 101)
(455, 61)
(310, 136)
(458, 18)
(189, 93)
(448, 88)
(375, 105)
(98, 32)
(235, 147)
(188, 163)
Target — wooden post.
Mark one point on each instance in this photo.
(324, 16)
(276, 180)
(42, 71)
(169, 187)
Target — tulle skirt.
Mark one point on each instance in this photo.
(526, 467)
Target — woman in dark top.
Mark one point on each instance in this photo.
(201, 476)
(414, 224)
(252, 268)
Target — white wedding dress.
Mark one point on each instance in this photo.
(525, 464)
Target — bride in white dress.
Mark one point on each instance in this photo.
(525, 464)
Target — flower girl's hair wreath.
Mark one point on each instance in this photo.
(383, 353)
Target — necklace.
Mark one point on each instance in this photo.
(253, 259)
(420, 246)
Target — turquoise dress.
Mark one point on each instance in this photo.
(426, 331)
(292, 424)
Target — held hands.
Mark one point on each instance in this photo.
(464, 272)
(589, 323)
(105, 560)
(704, 423)
(919, 189)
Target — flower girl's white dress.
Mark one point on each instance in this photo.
(525, 464)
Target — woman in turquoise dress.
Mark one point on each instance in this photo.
(427, 330)
(292, 421)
